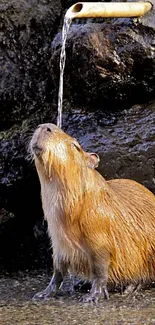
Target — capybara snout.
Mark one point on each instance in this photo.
(41, 136)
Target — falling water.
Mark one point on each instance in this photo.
(65, 29)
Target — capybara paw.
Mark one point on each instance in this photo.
(131, 289)
(40, 296)
(106, 294)
(90, 298)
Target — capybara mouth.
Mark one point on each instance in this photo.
(38, 141)
(37, 150)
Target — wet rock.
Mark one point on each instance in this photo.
(111, 62)
(27, 29)
(106, 62)
(124, 141)
(23, 234)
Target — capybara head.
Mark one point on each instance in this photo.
(56, 151)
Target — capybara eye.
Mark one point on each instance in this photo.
(76, 146)
(49, 130)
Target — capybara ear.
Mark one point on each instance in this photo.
(93, 160)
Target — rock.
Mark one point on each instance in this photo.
(124, 141)
(23, 235)
(108, 64)
(113, 61)
(27, 30)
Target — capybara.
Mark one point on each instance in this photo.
(102, 230)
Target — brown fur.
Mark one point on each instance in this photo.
(96, 226)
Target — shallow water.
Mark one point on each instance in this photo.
(16, 306)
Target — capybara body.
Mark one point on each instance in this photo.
(102, 230)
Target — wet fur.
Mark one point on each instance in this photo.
(94, 224)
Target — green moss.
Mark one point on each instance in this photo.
(15, 130)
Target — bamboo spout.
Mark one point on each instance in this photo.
(108, 9)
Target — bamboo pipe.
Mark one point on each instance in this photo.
(108, 9)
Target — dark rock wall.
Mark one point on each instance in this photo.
(28, 28)
(116, 67)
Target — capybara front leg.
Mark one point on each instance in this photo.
(98, 289)
(53, 286)
(99, 285)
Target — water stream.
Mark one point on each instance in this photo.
(65, 29)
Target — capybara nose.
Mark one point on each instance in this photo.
(48, 129)
(37, 149)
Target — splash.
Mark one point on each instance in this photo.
(65, 29)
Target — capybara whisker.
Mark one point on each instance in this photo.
(102, 231)
(30, 157)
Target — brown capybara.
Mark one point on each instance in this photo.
(102, 230)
